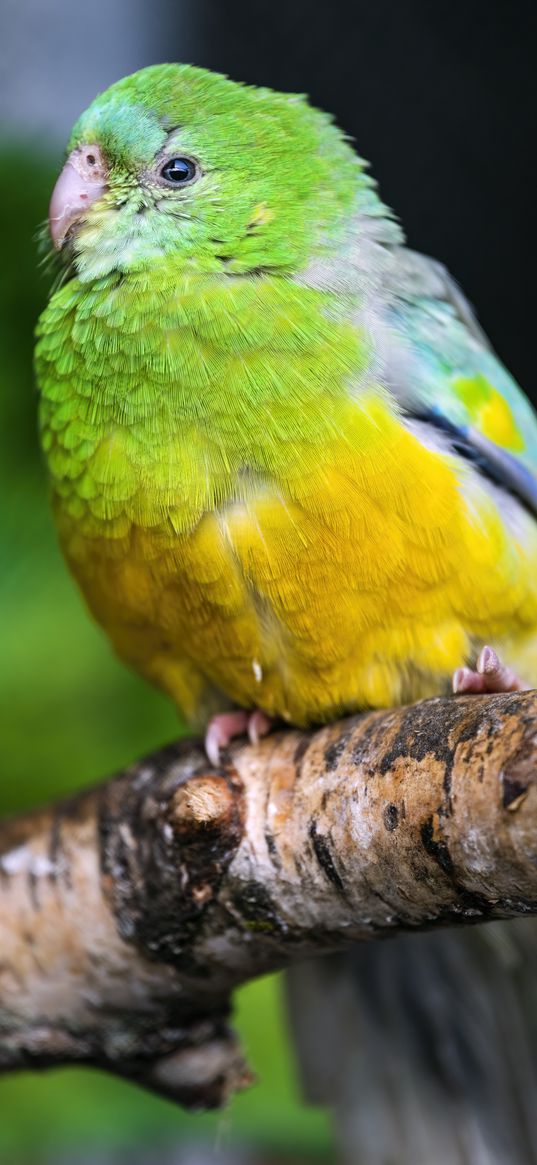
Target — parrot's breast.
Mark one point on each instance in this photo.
(248, 515)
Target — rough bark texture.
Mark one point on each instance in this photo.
(129, 913)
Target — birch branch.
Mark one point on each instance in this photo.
(129, 913)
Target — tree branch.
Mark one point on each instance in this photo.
(129, 913)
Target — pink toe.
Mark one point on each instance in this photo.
(498, 677)
(466, 680)
(488, 662)
(221, 730)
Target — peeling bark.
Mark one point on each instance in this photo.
(129, 913)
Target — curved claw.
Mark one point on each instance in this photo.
(259, 725)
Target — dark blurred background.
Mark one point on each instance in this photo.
(441, 99)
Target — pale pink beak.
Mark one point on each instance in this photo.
(81, 182)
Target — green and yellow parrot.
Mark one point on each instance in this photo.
(289, 474)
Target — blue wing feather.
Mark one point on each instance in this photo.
(444, 350)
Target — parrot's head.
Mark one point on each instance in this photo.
(175, 162)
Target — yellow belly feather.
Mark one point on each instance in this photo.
(362, 580)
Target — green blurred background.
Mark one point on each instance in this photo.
(69, 715)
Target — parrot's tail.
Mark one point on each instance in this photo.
(425, 1046)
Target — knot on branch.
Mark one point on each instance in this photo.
(167, 839)
(207, 801)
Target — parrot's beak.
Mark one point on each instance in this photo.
(81, 182)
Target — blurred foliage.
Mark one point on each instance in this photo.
(70, 714)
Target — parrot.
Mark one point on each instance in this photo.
(289, 473)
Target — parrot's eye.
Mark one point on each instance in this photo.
(179, 171)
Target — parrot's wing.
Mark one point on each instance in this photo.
(424, 277)
(443, 371)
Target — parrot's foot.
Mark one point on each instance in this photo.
(222, 729)
(491, 675)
